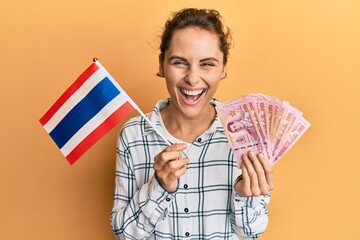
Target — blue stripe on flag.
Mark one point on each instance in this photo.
(82, 112)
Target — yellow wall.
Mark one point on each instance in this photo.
(306, 52)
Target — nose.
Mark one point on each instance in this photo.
(193, 76)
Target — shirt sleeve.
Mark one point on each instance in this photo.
(251, 215)
(137, 210)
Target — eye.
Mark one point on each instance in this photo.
(207, 64)
(180, 63)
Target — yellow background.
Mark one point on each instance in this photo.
(306, 52)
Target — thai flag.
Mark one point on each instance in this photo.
(86, 111)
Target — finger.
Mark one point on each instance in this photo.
(254, 184)
(164, 157)
(159, 162)
(256, 164)
(260, 172)
(168, 177)
(176, 174)
(169, 167)
(175, 147)
(268, 170)
(169, 153)
(176, 164)
(245, 182)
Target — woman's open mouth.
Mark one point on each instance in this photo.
(191, 97)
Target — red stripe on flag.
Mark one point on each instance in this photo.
(69, 92)
(99, 132)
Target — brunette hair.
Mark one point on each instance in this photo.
(207, 19)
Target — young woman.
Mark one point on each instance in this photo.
(193, 188)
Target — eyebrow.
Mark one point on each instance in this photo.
(177, 57)
(202, 60)
(209, 59)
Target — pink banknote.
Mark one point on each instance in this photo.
(240, 128)
(261, 123)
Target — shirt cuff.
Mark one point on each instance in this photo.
(251, 202)
(158, 202)
(157, 193)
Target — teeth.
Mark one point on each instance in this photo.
(192, 93)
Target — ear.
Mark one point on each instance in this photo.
(224, 73)
(161, 68)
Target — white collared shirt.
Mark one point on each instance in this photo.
(205, 206)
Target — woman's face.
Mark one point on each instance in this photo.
(193, 67)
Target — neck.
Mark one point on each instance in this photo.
(185, 128)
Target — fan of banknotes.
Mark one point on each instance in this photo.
(261, 123)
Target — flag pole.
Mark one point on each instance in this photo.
(95, 60)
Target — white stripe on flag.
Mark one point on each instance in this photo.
(89, 84)
(116, 84)
(91, 125)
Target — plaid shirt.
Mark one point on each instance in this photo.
(205, 206)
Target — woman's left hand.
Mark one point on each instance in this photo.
(257, 176)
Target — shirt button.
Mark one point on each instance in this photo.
(186, 210)
(167, 199)
(186, 186)
(199, 139)
(187, 234)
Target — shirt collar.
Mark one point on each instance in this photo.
(155, 118)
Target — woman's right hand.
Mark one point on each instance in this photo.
(169, 166)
